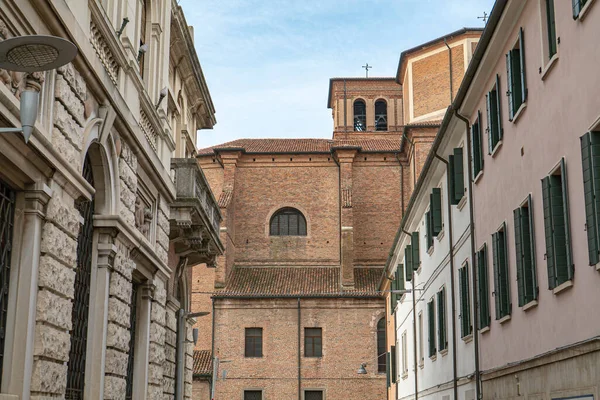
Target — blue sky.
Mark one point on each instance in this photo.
(268, 62)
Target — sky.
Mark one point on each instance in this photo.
(267, 63)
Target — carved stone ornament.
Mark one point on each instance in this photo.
(143, 217)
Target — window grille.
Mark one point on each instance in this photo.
(7, 210)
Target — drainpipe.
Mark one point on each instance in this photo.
(299, 355)
(213, 381)
(478, 393)
(453, 300)
(180, 354)
(450, 68)
(339, 200)
(401, 183)
(414, 311)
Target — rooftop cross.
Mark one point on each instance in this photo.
(367, 67)
(484, 18)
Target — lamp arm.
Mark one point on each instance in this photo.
(11, 130)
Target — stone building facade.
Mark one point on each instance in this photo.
(321, 276)
(100, 220)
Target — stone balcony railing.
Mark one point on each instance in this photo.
(195, 215)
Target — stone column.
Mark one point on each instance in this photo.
(143, 337)
(346, 158)
(96, 351)
(20, 355)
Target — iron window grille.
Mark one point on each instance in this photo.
(7, 211)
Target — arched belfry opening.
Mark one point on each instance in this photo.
(360, 115)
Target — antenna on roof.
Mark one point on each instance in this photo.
(484, 18)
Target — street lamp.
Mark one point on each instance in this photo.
(33, 53)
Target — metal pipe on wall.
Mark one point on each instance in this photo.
(299, 355)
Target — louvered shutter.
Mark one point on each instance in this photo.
(388, 369)
(589, 197)
(550, 260)
(400, 277)
(565, 198)
(436, 210)
(465, 317)
(522, 62)
(429, 233)
(497, 294)
(532, 248)
(451, 180)
(484, 304)
(506, 302)
(408, 254)
(431, 330)
(441, 308)
(498, 109)
(474, 149)
(519, 255)
(393, 363)
(488, 107)
(510, 85)
(416, 259)
(459, 175)
(393, 296)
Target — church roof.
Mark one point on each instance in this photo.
(308, 146)
(202, 362)
(299, 282)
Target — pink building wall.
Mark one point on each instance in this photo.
(559, 109)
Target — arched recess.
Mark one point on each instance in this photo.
(381, 120)
(360, 115)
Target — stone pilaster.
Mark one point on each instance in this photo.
(170, 349)
(156, 351)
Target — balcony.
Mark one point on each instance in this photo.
(195, 215)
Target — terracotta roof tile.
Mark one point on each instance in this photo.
(255, 146)
(202, 362)
(299, 281)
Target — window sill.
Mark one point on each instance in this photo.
(519, 112)
(496, 148)
(597, 267)
(484, 329)
(418, 271)
(530, 305)
(440, 236)
(504, 319)
(549, 66)
(563, 286)
(463, 201)
(478, 177)
(468, 338)
(584, 10)
(444, 352)
(422, 364)
(405, 375)
(433, 357)
(430, 250)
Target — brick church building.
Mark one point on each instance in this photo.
(307, 227)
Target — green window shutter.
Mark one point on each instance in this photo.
(459, 175)
(589, 197)
(388, 369)
(465, 310)
(428, 233)
(519, 255)
(393, 363)
(490, 124)
(394, 296)
(522, 65)
(441, 307)
(510, 84)
(451, 180)
(400, 277)
(414, 241)
(551, 27)
(431, 323)
(517, 83)
(550, 260)
(498, 109)
(408, 261)
(559, 230)
(436, 210)
(504, 272)
(531, 249)
(497, 290)
(565, 197)
(484, 304)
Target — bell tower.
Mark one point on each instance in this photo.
(366, 108)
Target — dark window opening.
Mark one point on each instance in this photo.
(360, 116)
(381, 346)
(313, 395)
(252, 395)
(288, 222)
(313, 342)
(253, 346)
(7, 211)
(381, 115)
(80, 313)
(132, 333)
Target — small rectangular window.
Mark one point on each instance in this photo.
(494, 117)
(313, 342)
(431, 326)
(476, 147)
(465, 301)
(517, 84)
(313, 395)
(483, 288)
(525, 253)
(501, 273)
(556, 226)
(252, 394)
(404, 354)
(441, 320)
(421, 354)
(253, 346)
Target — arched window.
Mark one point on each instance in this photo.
(360, 116)
(81, 301)
(288, 222)
(381, 115)
(381, 346)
